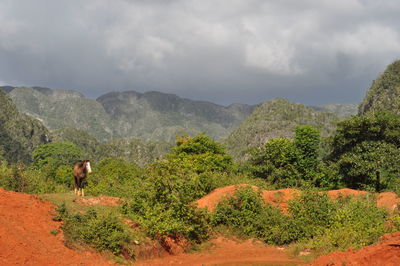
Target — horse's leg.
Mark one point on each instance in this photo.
(76, 186)
(79, 186)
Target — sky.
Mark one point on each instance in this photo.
(246, 51)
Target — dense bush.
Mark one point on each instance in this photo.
(366, 151)
(101, 231)
(114, 177)
(314, 219)
(56, 154)
(247, 214)
(290, 163)
(356, 223)
(18, 177)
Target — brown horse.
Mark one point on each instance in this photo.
(81, 169)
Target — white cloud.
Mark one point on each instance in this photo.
(200, 48)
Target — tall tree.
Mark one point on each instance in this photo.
(366, 150)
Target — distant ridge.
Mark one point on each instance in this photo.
(151, 116)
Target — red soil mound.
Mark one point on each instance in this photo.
(228, 252)
(211, 200)
(281, 197)
(25, 238)
(102, 200)
(386, 252)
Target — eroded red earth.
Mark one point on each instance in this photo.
(25, 234)
(26, 239)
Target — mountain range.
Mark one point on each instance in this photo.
(139, 126)
(149, 116)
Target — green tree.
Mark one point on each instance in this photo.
(201, 154)
(290, 163)
(276, 162)
(307, 145)
(366, 150)
(55, 154)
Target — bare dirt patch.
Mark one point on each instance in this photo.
(386, 252)
(29, 236)
(101, 200)
(224, 251)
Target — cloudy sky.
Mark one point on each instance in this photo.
(248, 51)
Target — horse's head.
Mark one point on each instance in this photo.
(87, 166)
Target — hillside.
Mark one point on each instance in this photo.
(151, 116)
(384, 93)
(341, 110)
(19, 133)
(64, 108)
(132, 150)
(160, 116)
(276, 118)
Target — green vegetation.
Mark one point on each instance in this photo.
(280, 145)
(19, 133)
(151, 116)
(314, 220)
(365, 151)
(384, 93)
(273, 119)
(290, 163)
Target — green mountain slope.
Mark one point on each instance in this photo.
(384, 93)
(341, 110)
(160, 116)
(132, 150)
(151, 116)
(19, 133)
(64, 108)
(276, 118)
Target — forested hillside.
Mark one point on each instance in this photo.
(132, 150)
(64, 108)
(19, 133)
(159, 116)
(151, 116)
(384, 93)
(341, 110)
(273, 119)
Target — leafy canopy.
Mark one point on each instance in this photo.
(56, 154)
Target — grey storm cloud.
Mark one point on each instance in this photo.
(310, 51)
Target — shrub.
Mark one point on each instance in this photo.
(114, 177)
(310, 213)
(247, 214)
(357, 223)
(103, 232)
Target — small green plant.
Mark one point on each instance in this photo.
(54, 232)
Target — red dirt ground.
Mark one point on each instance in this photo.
(385, 253)
(26, 223)
(25, 238)
(281, 197)
(228, 252)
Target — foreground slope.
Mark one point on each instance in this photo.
(25, 234)
(386, 252)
